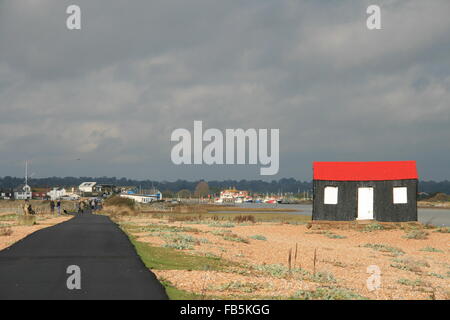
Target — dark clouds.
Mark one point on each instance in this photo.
(112, 93)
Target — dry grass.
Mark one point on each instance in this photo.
(5, 231)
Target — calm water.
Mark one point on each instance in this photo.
(437, 217)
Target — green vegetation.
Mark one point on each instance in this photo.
(220, 232)
(258, 237)
(326, 293)
(443, 230)
(8, 217)
(222, 225)
(238, 286)
(411, 283)
(323, 276)
(385, 248)
(162, 258)
(416, 234)
(431, 249)
(235, 238)
(409, 264)
(177, 294)
(437, 275)
(279, 270)
(373, 227)
(156, 229)
(331, 235)
(118, 201)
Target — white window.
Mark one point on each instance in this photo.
(400, 195)
(330, 195)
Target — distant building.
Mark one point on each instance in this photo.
(40, 195)
(233, 195)
(6, 194)
(154, 195)
(23, 192)
(383, 191)
(56, 193)
(105, 189)
(87, 187)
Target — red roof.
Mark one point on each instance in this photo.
(365, 171)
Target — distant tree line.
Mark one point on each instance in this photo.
(283, 185)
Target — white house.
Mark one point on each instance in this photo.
(23, 193)
(87, 187)
(57, 193)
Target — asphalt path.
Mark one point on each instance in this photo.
(106, 264)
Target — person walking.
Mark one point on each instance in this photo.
(26, 207)
(58, 206)
(52, 207)
(81, 207)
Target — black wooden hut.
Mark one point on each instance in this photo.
(382, 191)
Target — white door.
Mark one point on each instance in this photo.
(365, 203)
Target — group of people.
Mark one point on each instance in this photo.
(57, 205)
(86, 204)
(82, 205)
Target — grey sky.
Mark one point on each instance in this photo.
(112, 93)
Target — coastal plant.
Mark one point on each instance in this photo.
(430, 249)
(235, 238)
(443, 230)
(220, 232)
(258, 237)
(416, 234)
(8, 217)
(179, 241)
(412, 262)
(221, 225)
(385, 248)
(280, 271)
(178, 246)
(328, 293)
(334, 236)
(373, 227)
(409, 264)
(323, 277)
(411, 283)
(437, 275)
(246, 287)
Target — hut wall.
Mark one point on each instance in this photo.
(347, 207)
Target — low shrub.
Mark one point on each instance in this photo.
(244, 218)
(326, 293)
(258, 237)
(373, 227)
(385, 248)
(118, 201)
(416, 234)
(26, 220)
(443, 230)
(430, 249)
